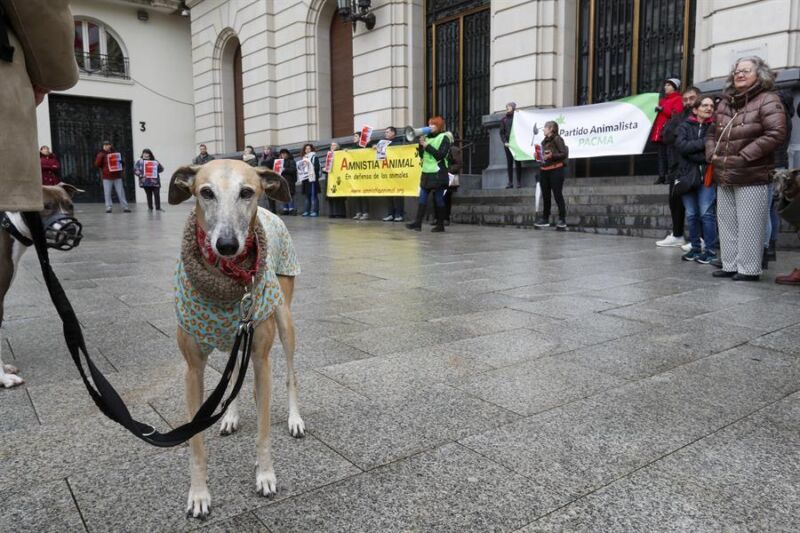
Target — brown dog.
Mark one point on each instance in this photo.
(58, 208)
(231, 246)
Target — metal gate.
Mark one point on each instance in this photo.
(458, 43)
(78, 126)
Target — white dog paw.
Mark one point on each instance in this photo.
(198, 504)
(266, 483)
(229, 424)
(10, 380)
(297, 428)
(10, 369)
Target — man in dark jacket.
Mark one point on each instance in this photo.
(203, 157)
(506, 124)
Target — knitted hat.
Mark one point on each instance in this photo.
(675, 82)
(513, 105)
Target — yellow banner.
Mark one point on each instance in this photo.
(360, 172)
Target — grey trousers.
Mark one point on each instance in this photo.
(117, 184)
(742, 220)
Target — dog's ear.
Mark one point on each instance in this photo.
(71, 190)
(274, 185)
(181, 184)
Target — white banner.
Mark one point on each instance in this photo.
(620, 127)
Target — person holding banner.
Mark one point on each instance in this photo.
(551, 175)
(110, 164)
(506, 123)
(395, 210)
(288, 169)
(336, 206)
(750, 127)
(670, 104)
(362, 203)
(310, 184)
(149, 170)
(434, 151)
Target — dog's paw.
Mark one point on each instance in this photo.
(10, 369)
(229, 424)
(266, 483)
(297, 428)
(10, 380)
(199, 503)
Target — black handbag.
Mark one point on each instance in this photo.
(686, 184)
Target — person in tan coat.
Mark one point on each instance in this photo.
(36, 57)
(750, 126)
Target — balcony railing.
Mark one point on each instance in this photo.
(103, 65)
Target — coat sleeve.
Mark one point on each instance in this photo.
(99, 159)
(711, 138)
(560, 152)
(50, 163)
(46, 31)
(690, 148)
(443, 150)
(772, 116)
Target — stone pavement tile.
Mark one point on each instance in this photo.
(660, 349)
(566, 307)
(16, 409)
(508, 347)
(695, 302)
(46, 507)
(400, 338)
(764, 315)
(639, 313)
(30, 455)
(491, 321)
(444, 490)
(313, 352)
(243, 523)
(395, 375)
(535, 386)
(390, 315)
(316, 328)
(629, 294)
(150, 495)
(590, 329)
(785, 340)
(377, 432)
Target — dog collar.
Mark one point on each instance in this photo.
(6, 224)
(231, 267)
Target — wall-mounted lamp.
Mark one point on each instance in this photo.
(355, 10)
(183, 9)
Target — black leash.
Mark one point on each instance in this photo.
(105, 397)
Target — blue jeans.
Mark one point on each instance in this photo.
(773, 219)
(701, 211)
(438, 196)
(312, 199)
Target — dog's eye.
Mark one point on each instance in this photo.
(246, 194)
(207, 194)
(48, 206)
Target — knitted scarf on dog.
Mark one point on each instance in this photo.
(207, 279)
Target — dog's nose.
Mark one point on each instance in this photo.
(227, 245)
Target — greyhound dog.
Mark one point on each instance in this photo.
(232, 246)
(62, 230)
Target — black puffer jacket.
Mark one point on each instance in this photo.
(690, 143)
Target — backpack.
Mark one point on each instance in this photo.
(454, 158)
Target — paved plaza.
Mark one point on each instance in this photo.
(485, 379)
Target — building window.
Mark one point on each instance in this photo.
(99, 52)
(631, 46)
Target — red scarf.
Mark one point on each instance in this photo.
(230, 267)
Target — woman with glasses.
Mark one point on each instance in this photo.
(750, 126)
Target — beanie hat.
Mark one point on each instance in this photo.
(675, 82)
(512, 104)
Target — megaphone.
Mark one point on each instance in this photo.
(412, 133)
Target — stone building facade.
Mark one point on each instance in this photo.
(264, 71)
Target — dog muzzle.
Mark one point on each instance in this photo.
(62, 232)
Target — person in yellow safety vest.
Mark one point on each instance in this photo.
(435, 153)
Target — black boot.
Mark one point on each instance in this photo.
(771, 253)
(417, 224)
(765, 259)
(439, 227)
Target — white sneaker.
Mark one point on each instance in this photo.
(357, 217)
(671, 241)
(364, 216)
(388, 218)
(686, 247)
(398, 219)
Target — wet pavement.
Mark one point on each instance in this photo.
(485, 379)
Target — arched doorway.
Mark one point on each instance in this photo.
(341, 61)
(232, 97)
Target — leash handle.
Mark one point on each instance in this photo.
(103, 393)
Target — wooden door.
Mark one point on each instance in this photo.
(238, 97)
(341, 77)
